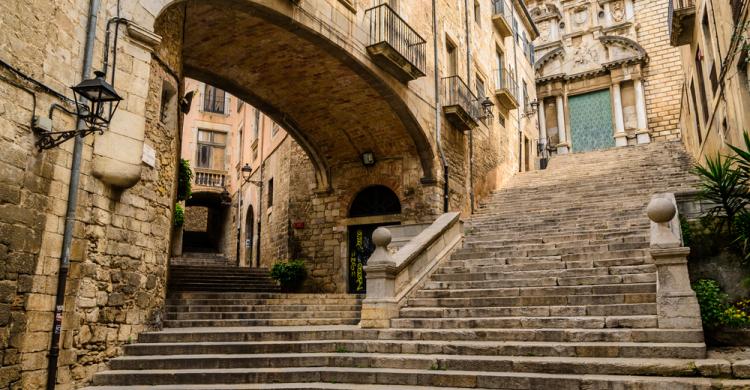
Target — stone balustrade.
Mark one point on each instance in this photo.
(677, 304)
(390, 278)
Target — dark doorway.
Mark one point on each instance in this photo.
(370, 202)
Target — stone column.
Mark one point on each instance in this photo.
(380, 304)
(607, 15)
(562, 147)
(642, 133)
(542, 123)
(677, 305)
(621, 138)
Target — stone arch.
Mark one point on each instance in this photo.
(539, 66)
(341, 106)
(636, 53)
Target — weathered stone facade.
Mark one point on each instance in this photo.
(310, 73)
(616, 46)
(714, 76)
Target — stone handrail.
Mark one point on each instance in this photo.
(677, 305)
(391, 278)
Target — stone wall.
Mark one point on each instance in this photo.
(662, 77)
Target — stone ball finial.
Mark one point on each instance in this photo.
(381, 237)
(661, 210)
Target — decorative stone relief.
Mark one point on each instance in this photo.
(545, 32)
(617, 9)
(580, 16)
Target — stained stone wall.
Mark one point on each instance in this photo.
(120, 250)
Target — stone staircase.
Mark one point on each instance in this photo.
(554, 289)
(219, 278)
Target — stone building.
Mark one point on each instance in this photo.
(715, 102)
(370, 110)
(221, 135)
(606, 77)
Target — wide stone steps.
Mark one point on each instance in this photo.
(258, 308)
(300, 320)
(415, 377)
(543, 281)
(531, 311)
(530, 364)
(460, 348)
(154, 341)
(561, 322)
(219, 278)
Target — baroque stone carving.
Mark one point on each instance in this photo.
(617, 9)
(581, 15)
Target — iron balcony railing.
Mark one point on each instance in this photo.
(387, 26)
(501, 8)
(504, 80)
(457, 93)
(210, 177)
(675, 14)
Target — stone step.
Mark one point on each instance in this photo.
(530, 296)
(390, 376)
(505, 275)
(529, 364)
(544, 281)
(347, 332)
(230, 295)
(401, 347)
(259, 322)
(261, 315)
(588, 322)
(531, 311)
(258, 308)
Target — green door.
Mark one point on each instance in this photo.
(591, 121)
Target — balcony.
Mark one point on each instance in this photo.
(681, 21)
(211, 178)
(502, 17)
(394, 45)
(460, 106)
(506, 89)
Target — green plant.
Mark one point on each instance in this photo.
(735, 317)
(179, 215)
(724, 185)
(687, 231)
(741, 229)
(712, 302)
(290, 274)
(184, 180)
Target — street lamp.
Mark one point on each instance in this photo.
(247, 171)
(103, 100)
(534, 108)
(487, 108)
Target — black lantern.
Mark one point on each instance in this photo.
(103, 99)
(247, 171)
(487, 108)
(103, 102)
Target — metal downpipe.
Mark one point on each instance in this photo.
(438, 133)
(70, 213)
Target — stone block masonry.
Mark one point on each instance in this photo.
(662, 76)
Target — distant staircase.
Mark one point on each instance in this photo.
(554, 289)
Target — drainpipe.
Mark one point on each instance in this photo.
(518, 85)
(70, 213)
(261, 139)
(438, 138)
(468, 82)
(241, 142)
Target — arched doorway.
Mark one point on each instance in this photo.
(372, 201)
(249, 236)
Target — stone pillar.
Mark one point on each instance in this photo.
(380, 305)
(562, 147)
(607, 15)
(542, 123)
(677, 305)
(642, 133)
(621, 138)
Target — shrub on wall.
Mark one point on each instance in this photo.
(184, 180)
(179, 215)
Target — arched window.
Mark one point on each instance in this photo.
(375, 200)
